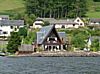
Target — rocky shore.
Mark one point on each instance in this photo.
(63, 54)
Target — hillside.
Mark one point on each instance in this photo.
(94, 9)
(11, 6)
(17, 6)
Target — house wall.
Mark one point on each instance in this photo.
(71, 26)
(37, 24)
(58, 26)
(79, 21)
(67, 26)
(8, 30)
(94, 23)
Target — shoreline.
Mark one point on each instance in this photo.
(59, 54)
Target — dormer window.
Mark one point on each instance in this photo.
(11, 27)
(77, 20)
(81, 24)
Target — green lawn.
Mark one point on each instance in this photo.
(10, 4)
(93, 14)
(11, 7)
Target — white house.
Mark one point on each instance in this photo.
(40, 21)
(4, 17)
(79, 21)
(94, 21)
(7, 26)
(66, 23)
(38, 24)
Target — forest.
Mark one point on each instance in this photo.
(56, 8)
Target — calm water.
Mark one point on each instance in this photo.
(50, 65)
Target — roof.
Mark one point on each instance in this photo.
(60, 22)
(95, 20)
(55, 21)
(46, 19)
(26, 47)
(62, 35)
(42, 34)
(11, 22)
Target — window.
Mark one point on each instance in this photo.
(11, 27)
(0, 31)
(18, 27)
(15, 29)
(4, 32)
(51, 39)
(73, 24)
(77, 20)
(81, 24)
(63, 26)
(62, 39)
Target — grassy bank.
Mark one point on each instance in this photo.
(93, 14)
(11, 7)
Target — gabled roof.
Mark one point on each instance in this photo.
(43, 33)
(62, 35)
(12, 22)
(57, 21)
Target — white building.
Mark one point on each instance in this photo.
(80, 22)
(94, 21)
(4, 17)
(69, 23)
(7, 26)
(38, 24)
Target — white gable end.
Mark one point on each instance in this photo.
(79, 21)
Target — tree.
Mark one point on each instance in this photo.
(23, 32)
(95, 45)
(14, 42)
(29, 19)
(56, 8)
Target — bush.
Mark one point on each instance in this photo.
(23, 32)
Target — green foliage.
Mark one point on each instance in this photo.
(29, 38)
(95, 45)
(78, 40)
(23, 32)
(29, 19)
(46, 23)
(56, 8)
(14, 42)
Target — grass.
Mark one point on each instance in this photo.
(92, 7)
(11, 7)
(10, 4)
(93, 14)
